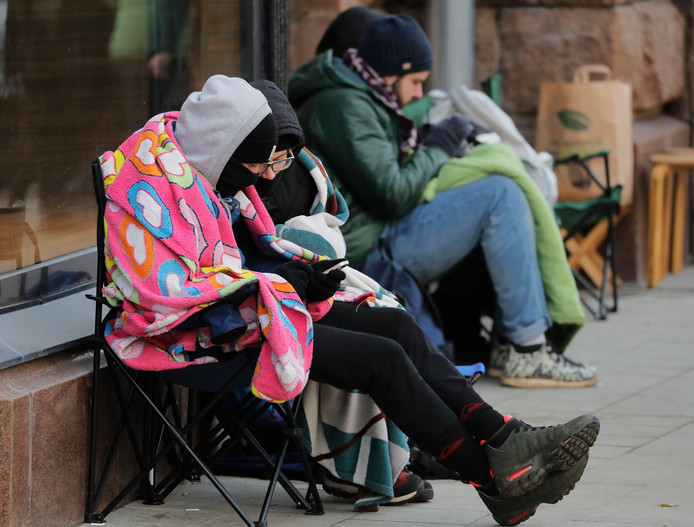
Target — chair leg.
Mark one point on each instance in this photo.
(181, 440)
(596, 273)
(125, 423)
(583, 253)
(237, 423)
(608, 266)
(678, 218)
(611, 257)
(147, 492)
(312, 495)
(657, 225)
(582, 258)
(667, 222)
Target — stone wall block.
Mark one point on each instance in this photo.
(650, 52)
(308, 20)
(310, 6)
(550, 3)
(44, 429)
(481, 4)
(539, 44)
(15, 439)
(304, 42)
(643, 44)
(487, 50)
(59, 448)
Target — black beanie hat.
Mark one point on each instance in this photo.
(259, 145)
(346, 30)
(396, 45)
(290, 136)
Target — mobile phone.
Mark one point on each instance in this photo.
(338, 265)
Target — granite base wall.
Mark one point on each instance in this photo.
(44, 431)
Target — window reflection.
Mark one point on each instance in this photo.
(76, 77)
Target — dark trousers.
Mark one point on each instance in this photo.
(384, 353)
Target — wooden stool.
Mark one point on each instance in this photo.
(13, 227)
(666, 214)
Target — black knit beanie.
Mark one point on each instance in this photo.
(290, 136)
(259, 145)
(396, 45)
(346, 30)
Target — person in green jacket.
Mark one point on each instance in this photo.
(350, 108)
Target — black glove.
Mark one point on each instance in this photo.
(323, 265)
(297, 273)
(322, 285)
(449, 134)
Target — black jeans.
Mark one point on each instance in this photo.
(383, 352)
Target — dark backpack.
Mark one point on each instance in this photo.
(412, 295)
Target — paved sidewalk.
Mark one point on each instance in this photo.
(641, 468)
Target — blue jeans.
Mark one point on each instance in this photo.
(432, 238)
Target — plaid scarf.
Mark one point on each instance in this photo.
(408, 129)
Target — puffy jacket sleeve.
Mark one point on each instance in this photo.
(361, 146)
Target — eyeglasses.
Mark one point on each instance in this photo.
(277, 166)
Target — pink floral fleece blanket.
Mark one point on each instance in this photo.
(170, 252)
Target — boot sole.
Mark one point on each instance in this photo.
(527, 514)
(405, 498)
(531, 512)
(424, 492)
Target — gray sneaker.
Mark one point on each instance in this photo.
(497, 358)
(545, 369)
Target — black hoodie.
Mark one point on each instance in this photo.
(292, 191)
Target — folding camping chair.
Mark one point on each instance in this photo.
(151, 417)
(588, 230)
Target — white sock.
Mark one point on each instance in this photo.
(536, 341)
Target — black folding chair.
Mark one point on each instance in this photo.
(151, 417)
(588, 228)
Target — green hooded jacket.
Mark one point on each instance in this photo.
(355, 134)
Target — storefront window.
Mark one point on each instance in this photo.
(76, 78)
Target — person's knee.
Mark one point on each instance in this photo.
(505, 185)
(387, 359)
(395, 317)
(509, 194)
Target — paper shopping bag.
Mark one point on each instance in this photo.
(590, 114)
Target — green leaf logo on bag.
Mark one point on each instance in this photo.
(574, 120)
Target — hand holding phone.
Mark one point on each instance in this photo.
(326, 279)
(338, 265)
(325, 266)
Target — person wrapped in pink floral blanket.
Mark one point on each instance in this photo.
(198, 277)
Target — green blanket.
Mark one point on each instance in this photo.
(563, 300)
